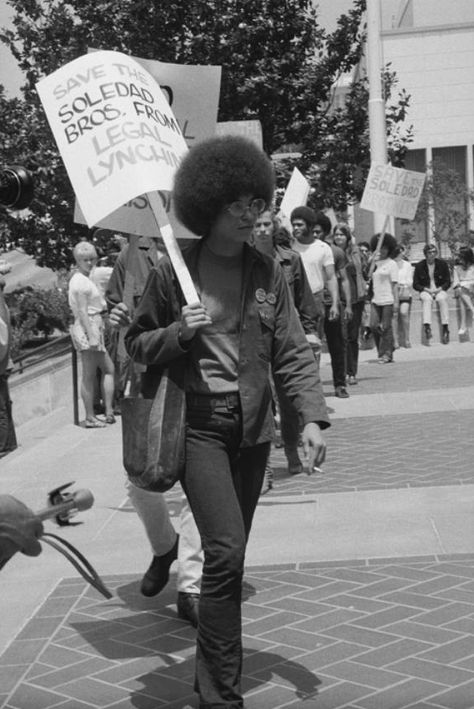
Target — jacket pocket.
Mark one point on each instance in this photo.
(266, 315)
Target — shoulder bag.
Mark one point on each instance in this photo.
(153, 433)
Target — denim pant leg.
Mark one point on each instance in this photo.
(320, 311)
(337, 350)
(222, 483)
(427, 305)
(386, 335)
(7, 429)
(442, 300)
(351, 336)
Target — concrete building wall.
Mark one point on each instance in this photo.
(430, 46)
(439, 12)
(436, 67)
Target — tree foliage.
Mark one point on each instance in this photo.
(278, 66)
(444, 206)
(336, 155)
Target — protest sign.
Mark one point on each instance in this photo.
(296, 194)
(246, 129)
(115, 130)
(193, 94)
(392, 191)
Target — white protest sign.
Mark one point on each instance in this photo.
(193, 94)
(246, 129)
(392, 191)
(114, 128)
(296, 193)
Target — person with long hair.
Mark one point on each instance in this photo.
(243, 327)
(385, 295)
(342, 238)
(401, 320)
(463, 283)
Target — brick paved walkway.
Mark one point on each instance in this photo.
(375, 378)
(395, 633)
(379, 453)
(362, 635)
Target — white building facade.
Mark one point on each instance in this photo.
(430, 46)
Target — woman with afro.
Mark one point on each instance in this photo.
(243, 326)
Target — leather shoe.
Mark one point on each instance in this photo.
(341, 392)
(158, 573)
(188, 607)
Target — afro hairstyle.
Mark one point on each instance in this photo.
(307, 214)
(389, 242)
(217, 172)
(324, 222)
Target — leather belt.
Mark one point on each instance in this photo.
(213, 402)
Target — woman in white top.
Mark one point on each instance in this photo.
(87, 304)
(463, 282)
(401, 320)
(385, 296)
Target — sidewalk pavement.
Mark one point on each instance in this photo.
(359, 586)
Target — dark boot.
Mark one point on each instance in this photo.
(158, 573)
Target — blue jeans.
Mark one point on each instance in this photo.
(222, 483)
(381, 326)
(7, 428)
(350, 330)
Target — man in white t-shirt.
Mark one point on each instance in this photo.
(318, 260)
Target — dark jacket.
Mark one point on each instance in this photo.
(293, 270)
(271, 336)
(421, 276)
(147, 257)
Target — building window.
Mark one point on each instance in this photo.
(405, 230)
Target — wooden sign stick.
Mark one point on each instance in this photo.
(174, 252)
(373, 263)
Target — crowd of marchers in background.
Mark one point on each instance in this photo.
(361, 297)
(349, 294)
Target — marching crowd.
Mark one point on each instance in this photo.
(248, 353)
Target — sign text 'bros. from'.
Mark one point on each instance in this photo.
(115, 130)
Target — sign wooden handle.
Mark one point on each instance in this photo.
(174, 252)
(373, 263)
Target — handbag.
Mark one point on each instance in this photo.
(153, 434)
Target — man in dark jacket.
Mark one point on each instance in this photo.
(432, 279)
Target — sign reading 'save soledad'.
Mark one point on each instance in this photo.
(192, 91)
(114, 128)
(392, 191)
